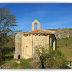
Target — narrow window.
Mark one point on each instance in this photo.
(18, 56)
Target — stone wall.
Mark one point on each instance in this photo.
(18, 44)
(29, 42)
(40, 40)
(24, 45)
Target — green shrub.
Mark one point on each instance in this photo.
(51, 59)
(56, 60)
(24, 63)
(14, 65)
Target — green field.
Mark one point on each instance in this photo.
(65, 45)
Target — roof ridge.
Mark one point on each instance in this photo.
(40, 31)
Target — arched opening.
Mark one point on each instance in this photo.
(35, 26)
(18, 56)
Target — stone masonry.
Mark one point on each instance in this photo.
(26, 42)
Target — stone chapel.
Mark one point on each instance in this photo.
(26, 42)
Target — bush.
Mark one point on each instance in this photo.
(3, 54)
(56, 60)
(15, 65)
(50, 58)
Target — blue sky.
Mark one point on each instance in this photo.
(50, 15)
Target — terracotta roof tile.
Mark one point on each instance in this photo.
(39, 31)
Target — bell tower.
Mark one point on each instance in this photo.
(33, 25)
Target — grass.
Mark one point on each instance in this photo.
(12, 64)
(65, 45)
(24, 64)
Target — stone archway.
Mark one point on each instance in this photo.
(33, 24)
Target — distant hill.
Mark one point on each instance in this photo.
(63, 33)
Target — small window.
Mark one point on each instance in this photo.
(18, 56)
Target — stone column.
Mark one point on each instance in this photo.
(32, 26)
(54, 45)
(38, 25)
(50, 41)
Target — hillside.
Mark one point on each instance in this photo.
(65, 45)
(17, 64)
(63, 33)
